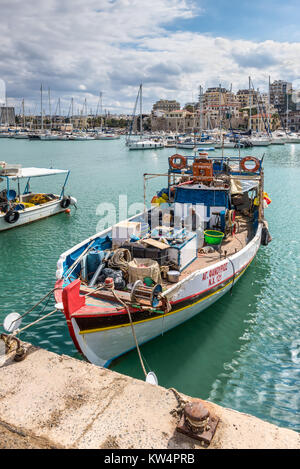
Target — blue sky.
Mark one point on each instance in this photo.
(78, 48)
(254, 20)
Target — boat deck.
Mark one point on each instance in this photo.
(230, 246)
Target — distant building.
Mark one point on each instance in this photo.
(247, 98)
(280, 91)
(214, 97)
(7, 115)
(166, 105)
(292, 121)
(259, 122)
(174, 121)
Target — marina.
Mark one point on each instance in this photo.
(235, 322)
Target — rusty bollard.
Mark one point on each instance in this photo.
(197, 422)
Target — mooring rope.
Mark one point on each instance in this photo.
(133, 331)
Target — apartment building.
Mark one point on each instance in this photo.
(166, 105)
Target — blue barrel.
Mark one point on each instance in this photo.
(94, 258)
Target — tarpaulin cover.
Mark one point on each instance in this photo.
(238, 186)
(209, 198)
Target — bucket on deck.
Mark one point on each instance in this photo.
(213, 236)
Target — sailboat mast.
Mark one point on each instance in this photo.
(269, 108)
(141, 111)
(287, 111)
(220, 123)
(42, 119)
(23, 112)
(72, 111)
(200, 110)
(101, 123)
(50, 115)
(59, 110)
(250, 104)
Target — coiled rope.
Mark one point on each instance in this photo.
(120, 260)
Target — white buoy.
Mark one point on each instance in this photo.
(59, 306)
(12, 322)
(151, 378)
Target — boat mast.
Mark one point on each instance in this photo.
(50, 115)
(72, 111)
(141, 111)
(200, 111)
(7, 119)
(250, 109)
(42, 120)
(23, 112)
(220, 123)
(101, 122)
(269, 109)
(287, 111)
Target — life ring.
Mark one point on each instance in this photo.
(12, 216)
(65, 202)
(250, 158)
(180, 165)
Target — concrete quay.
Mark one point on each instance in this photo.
(51, 401)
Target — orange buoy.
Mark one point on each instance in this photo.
(254, 160)
(176, 157)
(68, 210)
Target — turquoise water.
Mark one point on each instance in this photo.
(244, 351)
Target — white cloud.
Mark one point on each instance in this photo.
(78, 48)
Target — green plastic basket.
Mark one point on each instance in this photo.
(213, 236)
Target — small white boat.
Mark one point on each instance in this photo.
(205, 201)
(260, 142)
(19, 208)
(106, 136)
(21, 135)
(49, 136)
(191, 143)
(292, 138)
(144, 144)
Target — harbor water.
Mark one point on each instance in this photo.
(244, 351)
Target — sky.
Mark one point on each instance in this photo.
(79, 48)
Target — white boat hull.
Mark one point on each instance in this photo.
(292, 140)
(260, 143)
(201, 289)
(145, 146)
(32, 214)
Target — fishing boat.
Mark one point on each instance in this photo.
(161, 267)
(19, 207)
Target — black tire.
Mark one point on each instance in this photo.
(12, 216)
(266, 238)
(65, 202)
